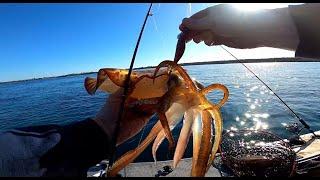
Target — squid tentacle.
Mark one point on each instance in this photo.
(205, 146)
(218, 123)
(181, 71)
(197, 133)
(183, 137)
(157, 142)
(221, 87)
(166, 128)
(133, 154)
(175, 115)
(164, 105)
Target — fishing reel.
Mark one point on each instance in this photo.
(296, 130)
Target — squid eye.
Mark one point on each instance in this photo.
(174, 80)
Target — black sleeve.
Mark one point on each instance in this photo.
(53, 150)
(307, 20)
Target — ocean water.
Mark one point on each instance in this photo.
(250, 106)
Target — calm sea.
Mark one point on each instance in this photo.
(250, 106)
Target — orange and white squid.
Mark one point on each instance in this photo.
(174, 97)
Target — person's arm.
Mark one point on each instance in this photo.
(306, 18)
(68, 150)
(294, 28)
(82, 145)
(52, 150)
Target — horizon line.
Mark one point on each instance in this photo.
(264, 60)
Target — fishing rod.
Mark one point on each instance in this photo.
(297, 116)
(125, 92)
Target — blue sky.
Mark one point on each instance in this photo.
(40, 40)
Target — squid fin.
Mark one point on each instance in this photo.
(90, 85)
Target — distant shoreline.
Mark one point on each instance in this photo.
(51, 77)
(268, 60)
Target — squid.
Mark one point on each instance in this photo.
(169, 92)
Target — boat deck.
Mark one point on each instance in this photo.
(305, 153)
(150, 169)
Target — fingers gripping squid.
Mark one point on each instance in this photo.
(175, 97)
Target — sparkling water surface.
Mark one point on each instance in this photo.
(251, 105)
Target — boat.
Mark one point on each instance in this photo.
(307, 164)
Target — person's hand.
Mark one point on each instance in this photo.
(226, 25)
(132, 122)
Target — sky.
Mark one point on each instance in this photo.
(42, 40)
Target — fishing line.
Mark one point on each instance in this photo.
(141, 135)
(300, 119)
(156, 28)
(127, 81)
(189, 10)
(158, 7)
